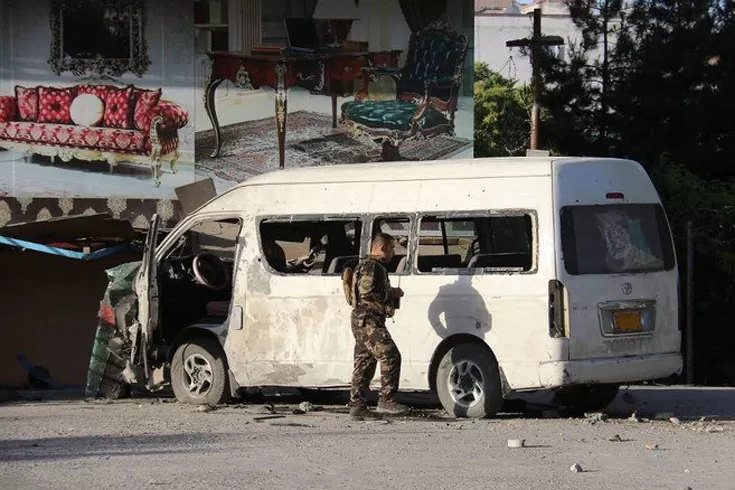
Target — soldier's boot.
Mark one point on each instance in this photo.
(391, 407)
(361, 412)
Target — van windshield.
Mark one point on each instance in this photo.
(616, 239)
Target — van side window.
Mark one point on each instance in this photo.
(502, 243)
(399, 228)
(310, 246)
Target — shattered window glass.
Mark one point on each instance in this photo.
(615, 239)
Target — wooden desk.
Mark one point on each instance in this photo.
(331, 74)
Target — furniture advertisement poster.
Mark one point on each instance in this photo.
(119, 102)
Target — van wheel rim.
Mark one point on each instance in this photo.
(466, 383)
(198, 375)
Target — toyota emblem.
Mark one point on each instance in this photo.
(627, 288)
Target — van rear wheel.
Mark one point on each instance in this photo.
(199, 373)
(591, 398)
(468, 382)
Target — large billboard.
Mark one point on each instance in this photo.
(114, 100)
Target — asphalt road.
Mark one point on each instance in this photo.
(157, 443)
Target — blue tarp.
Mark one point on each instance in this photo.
(39, 247)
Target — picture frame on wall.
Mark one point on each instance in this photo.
(101, 37)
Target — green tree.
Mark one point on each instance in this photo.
(502, 114)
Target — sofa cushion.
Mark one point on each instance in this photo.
(117, 107)
(95, 138)
(98, 90)
(7, 108)
(26, 99)
(395, 115)
(145, 101)
(54, 104)
(87, 110)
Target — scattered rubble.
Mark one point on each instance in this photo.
(206, 408)
(576, 467)
(268, 417)
(616, 438)
(652, 447)
(290, 424)
(675, 420)
(306, 407)
(595, 417)
(516, 443)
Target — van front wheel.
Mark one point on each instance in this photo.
(468, 382)
(199, 373)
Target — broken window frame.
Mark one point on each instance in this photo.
(296, 218)
(478, 214)
(411, 217)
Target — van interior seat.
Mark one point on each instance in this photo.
(508, 259)
(395, 262)
(401, 267)
(338, 263)
(428, 262)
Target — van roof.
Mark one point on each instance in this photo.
(410, 170)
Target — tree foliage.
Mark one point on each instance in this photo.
(502, 114)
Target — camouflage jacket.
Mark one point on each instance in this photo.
(372, 288)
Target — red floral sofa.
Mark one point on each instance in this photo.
(126, 124)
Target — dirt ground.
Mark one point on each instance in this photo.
(158, 443)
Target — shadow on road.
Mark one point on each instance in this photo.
(70, 447)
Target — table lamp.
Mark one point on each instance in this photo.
(339, 15)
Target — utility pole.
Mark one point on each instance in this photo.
(535, 42)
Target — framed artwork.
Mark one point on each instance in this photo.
(102, 37)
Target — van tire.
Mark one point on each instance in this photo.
(462, 367)
(584, 399)
(199, 366)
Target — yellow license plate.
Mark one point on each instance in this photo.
(626, 321)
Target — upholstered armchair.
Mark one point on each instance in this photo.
(427, 88)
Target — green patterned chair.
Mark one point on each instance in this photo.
(427, 89)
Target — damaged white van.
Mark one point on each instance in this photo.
(519, 274)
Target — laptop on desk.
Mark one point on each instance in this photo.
(303, 37)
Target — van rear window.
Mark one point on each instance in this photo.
(616, 239)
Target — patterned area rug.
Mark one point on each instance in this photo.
(250, 148)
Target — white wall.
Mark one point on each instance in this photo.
(25, 46)
(492, 32)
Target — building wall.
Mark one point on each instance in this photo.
(49, 310)
(493, 30)
(25, 46)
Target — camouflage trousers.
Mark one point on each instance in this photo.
(373, 344)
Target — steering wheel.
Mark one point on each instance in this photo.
(210, 271)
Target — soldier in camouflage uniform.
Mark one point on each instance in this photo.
(374, 300)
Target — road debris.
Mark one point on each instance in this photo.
(675, 420)
(663, 416)
(616, 438)
(378, 422)
(306, 407)
(206, 408)
(297, 411)
(595, 417)
(652, 447)
(268, 417)
(290, 424)
(576, 467)
(516, 443)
